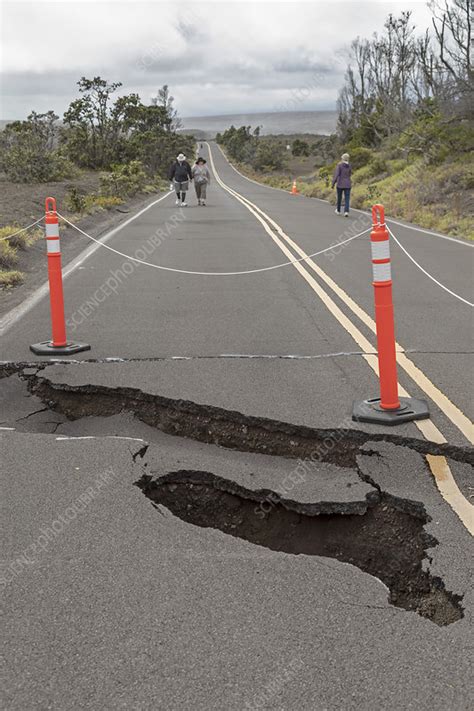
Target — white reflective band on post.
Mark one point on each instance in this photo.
(382, 272)
(52, 246)
(380, 250)
(52, 230)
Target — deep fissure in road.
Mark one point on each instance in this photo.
(385, 542)
(384, 536)
(226, 428)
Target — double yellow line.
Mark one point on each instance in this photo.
(438, 465)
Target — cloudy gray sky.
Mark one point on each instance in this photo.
(218, 58)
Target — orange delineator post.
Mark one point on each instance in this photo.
(55, 276)
(294, 189)
(59, 345)
(384, 320)
(388, 409)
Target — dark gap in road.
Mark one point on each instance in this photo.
(226, 428)
(386, 542)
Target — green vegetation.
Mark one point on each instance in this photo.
(27, 152)
(8, 255)
(98, 132)
(9, 249)
(124, 180)
(244, 146)
(21, 241)
(300, 148)
(129, 144)
(10, 278)
(405, 118)
(82, 203)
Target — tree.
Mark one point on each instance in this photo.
(396, 73)
(452, 25)
(269, 155)
(241, 144)
(28, 150)
(100, 132)
(92, 127)
(165, 101)
(300, 148)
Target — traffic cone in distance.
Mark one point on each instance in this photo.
(389, 408)
(58, 345)
(294, 189)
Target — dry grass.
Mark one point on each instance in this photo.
(23, 240)
(9, 249)
(8, 279)
(8, 255)
(441, 201)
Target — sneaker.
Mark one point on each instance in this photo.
(178, 202)
(337, 211)
(199, 202)
(203, 203)
(184, 204)
(346, 214)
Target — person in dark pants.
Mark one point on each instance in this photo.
(180, 173)
(202, 179)
(342, 180)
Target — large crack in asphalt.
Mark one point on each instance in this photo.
(226, 428)
(387, 539)
(385, 542)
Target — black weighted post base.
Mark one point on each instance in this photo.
(46, 348)
(370, 411)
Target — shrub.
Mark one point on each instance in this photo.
(300, 148)
(80, 203)
(28, 151)
(326, 173)
(396, 165)
(124, 180)
(376, 167)
(103, 202)
(8, 255)
(23, 240)
(268, 156)
(10, 278)
(24, 163)
(373, 193)
(359, 157)
(26, 239)
(75, 200)
(157, 185)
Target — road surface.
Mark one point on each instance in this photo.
(192, 521)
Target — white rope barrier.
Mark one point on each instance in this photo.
(249, 271)
(196, 273)
(23, 229)
(438, 283)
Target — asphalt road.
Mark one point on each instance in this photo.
(127, 605)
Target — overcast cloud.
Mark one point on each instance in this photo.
(218, 58)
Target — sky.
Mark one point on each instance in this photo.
(217, 58)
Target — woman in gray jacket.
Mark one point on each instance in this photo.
(202, 179)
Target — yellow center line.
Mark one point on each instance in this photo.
(439, 466)
(457, 417)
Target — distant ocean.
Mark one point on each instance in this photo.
(284, 122)
(276, 123)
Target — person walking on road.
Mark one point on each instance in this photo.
(202, 179)
(180, 173)
(343, 183)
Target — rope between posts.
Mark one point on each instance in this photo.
(195, 273)
(442, 286)
(249, 271)
(23, 229)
